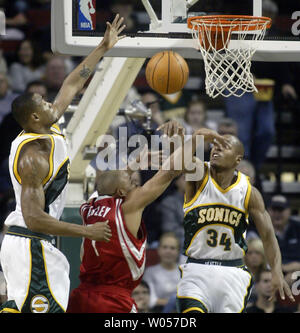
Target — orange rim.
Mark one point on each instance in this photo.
(227, 22)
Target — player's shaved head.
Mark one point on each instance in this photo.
(22, 107)
(236, 143)
(107, 182)
(117, 183)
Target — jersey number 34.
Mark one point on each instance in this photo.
(215, 240)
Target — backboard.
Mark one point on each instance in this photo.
(78, 26)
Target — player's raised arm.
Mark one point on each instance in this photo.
(174, 128)
(152, 189)
(78, 77)
(195, 165)
(266, 232)
(33, 168)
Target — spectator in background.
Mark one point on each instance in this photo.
(195, 116)
(263, 303)
(287, 230)
(29, 66)
(256, 262)
(16, 20)
(151, 100)
(164, 277)
(171, 210)
(257, 116)
(38, 87)
(136, 126)
(9, 128)
(228, 126)
(55, 73)
(3, 63)
(41, 4)
(6, 96)
(247, 168)
(3, 296)
(125, 8)
(255, 257)
(254, 113)
(141, 296)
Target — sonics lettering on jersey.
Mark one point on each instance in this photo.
(101, 211)
(217, 214)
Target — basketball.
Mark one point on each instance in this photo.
(167, 72)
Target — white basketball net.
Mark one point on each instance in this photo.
(228, 69)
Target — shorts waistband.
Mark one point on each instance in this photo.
(24, 232)
(217, 262)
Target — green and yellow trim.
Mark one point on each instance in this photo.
(194, 308)
(248, 289)
(60, 166)
(56, 128)
(15, 164)
(47, 277)
(227, 189)
(9, 310)
(30, 272)
(203, 184)
(51, 161)
(191, 304)
(21, 145)
(23, 235)
(247, 198)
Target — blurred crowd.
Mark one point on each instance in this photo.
(28, 65)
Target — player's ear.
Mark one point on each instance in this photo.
(35, 116)
(121, 193)
(238, 159)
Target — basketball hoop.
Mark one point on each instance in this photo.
(228, 68)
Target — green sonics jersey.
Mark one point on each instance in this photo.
(216, 219)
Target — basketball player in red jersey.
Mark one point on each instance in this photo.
(110, 271)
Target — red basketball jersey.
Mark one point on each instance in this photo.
(119, 262)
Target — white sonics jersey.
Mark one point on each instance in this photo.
(55, 182)
(216, 219)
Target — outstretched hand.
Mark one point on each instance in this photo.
(113, 30)
(171, 128)
(280, 285)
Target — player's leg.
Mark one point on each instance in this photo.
(233, 294)
(193, 289)
(15, 262)
(36, 275)
(48, 289)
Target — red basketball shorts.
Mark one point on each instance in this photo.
(101, 299)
